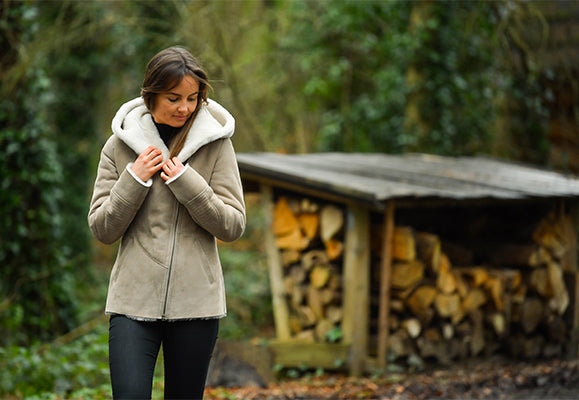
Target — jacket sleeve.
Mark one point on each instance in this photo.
(218, 206)
(116, 198)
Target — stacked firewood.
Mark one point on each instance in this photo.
(515, 304)
(309, 237)
(443, 305)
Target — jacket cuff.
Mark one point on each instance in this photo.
(130, 188)
(190, 185)
(168, 181)
(146, 184)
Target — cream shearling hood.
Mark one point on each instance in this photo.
(134, 125)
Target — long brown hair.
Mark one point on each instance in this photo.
(164, 72)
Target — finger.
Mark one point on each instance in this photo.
(177, 162)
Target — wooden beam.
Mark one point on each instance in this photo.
(573, 349)
(385, 274)
(279, 302)
(357, 286)
(311, 355)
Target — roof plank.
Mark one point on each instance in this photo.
(378, 177)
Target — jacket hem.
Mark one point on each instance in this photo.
(146, 319)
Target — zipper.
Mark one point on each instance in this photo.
(171, 263)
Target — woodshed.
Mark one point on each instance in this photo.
(378, 259)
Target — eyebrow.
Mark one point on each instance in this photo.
(178, 95)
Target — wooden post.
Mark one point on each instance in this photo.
(357, 287)
(280, 306)
(573, 345)
(386, 273)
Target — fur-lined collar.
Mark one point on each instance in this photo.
(133, 124)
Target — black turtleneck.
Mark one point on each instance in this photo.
(167, 132)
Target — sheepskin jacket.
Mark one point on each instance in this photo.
(167, 266)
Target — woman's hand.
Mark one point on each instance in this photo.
(171, 168)
(148, 163)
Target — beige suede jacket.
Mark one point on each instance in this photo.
(167, 266)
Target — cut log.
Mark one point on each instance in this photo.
(540, 257)
(295, 324)
(314, 301)
(461, 285)
(335, 282)
(306, 316)
(447, 331)
(320, 275)
(293, 240)
(445, 281)
(428, 250)
(297, 274)
(412, 326)
(474, 300)
(335, 314)
(531, 314)
(404, 244)
(421, 300)
(499, 323)
(399, 344)
(327, 296)
(331, 222)
(449, 306)
(477, 276)
(307, 206)
(284, 220)
(478, 339)
(289, 257)
(560, 299)
(314, 257)
(539, 281)
(495, 287)
(519, 295)
(569, 261)
(405, 275)
(550, 233)
(297, 296)
(309, 224)
(322, 328)
(334, 248)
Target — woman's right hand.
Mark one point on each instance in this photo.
(148, 163)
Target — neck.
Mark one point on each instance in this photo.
(167, 132)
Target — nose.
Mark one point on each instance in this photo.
(182, 106)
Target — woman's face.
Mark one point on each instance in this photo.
(176, 106)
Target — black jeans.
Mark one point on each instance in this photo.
(134, 347)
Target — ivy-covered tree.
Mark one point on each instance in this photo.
(396, 76)
(36, 284)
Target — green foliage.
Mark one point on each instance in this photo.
(351, 57)
(457, 71)
(71, 371)
(248, 294)
(36, 284)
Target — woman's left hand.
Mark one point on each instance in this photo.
(171, 168)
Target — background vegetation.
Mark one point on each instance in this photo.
(299, 76)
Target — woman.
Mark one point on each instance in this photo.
(168, 186)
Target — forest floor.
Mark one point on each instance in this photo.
(476, 379)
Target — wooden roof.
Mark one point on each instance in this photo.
(375, 178)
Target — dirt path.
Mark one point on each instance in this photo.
(491, 379)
